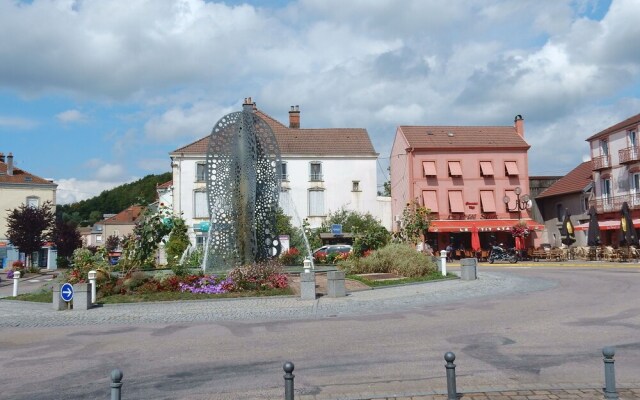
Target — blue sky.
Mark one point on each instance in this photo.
(97, 93)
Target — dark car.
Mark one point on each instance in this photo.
(324, 251)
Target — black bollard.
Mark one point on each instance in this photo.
(609, 373)
(288, 380)
(116, 384)
(452, 393)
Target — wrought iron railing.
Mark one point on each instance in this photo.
(601, 162)
(614, 203)
(629, 154)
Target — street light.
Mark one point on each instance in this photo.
(523, 204)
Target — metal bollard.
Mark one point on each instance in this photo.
(452, 393)
(16, 277)
(288, 380)
(609, 373)
(116, 384)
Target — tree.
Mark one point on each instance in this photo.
(415, 222)
(177, 243)
(66, 237)
(28, 227)
(368, 231)
(112, 243)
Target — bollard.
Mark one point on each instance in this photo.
(609, 373)
(288, 380)
(335, 284)
(307, 265)
(443, 262)
(116, 384)
(449, 357)
(468, 268)
(16, 277)
(308, 285)
(92, 280)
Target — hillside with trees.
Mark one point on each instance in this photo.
(87, 212)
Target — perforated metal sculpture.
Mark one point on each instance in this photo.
(243, 184)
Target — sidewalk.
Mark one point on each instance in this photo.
(547, 394)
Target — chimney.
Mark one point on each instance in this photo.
(294, 117)
(1, 157)
(248, 104)
(10, 164)
(518, 122)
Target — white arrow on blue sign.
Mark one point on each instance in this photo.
(66, 292)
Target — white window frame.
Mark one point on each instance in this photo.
(634, 188)
(632, 136)
(315, 176)
(355, 186)
(604, 147)
(283, 171)
(316, 209)
(31, 200)
(200, 210)
(201, 172)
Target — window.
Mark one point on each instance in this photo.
(355, 186)
(316, 203)
(604, 147)
(455, 169)
(606, 187)
(635, 189)
(488, 201)
(283, 172)
(511, 168)
(201, 240)
(631, 135)
(33, 201)
(559, 212)
(98, 238)
(315, 171)
(200, 172)
(429, 168)
(486, 168)
(200, 209)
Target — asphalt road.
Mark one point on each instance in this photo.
(551, 335)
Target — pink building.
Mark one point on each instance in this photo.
(464, 174)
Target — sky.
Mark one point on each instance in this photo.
(96, 93)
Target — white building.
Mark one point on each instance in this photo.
(323, 170)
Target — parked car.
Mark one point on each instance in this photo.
(324, 251)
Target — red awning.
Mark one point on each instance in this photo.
(430, 199)
(486, 168)
(454, 168)
(488, 201)
(484, 225)
(429, 168)
(512, 168)
(455, 201)
(606, 225)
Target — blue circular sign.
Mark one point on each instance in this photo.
(66, 292)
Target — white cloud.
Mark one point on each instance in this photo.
(187, 122)
(74, 190)
(70, 116)
(109, 172)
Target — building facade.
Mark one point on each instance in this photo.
(323, 170)
(18, 187)
(616, 175)
(464, 175)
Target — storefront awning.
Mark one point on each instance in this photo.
(606, 225)
(483, 225)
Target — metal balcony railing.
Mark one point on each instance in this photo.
(601, 162)
(614, 203)
(629, 154)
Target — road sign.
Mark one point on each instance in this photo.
(66, 292)
(336, 229)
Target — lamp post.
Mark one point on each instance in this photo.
(521, 204)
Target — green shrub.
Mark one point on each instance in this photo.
(398, 259)
(259, 276)
(136, 279)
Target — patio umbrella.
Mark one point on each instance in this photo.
(475, 239)
(593, 234)
(567, 232)
(629, 236)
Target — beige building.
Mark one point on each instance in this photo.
(18, 187)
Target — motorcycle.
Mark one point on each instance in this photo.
(500, 254)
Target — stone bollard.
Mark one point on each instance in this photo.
(610, 391)
(82, 296)
(335, 284)
(116, 384)
(468, 268)
(288, 380)
(16, 278)
(92, 280)
(443, 262)
(308, 285)
(452, 391)
(58, 303)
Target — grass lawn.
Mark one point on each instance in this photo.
(389, 282)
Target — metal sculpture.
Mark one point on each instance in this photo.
(243, 161)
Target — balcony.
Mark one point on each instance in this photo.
(614, 203)
(601, 162)
(629, 155)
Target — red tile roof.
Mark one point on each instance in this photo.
(627, 123)
(21, 176)
(127, 216)
(575, 181)
(438, 137)
(165, 185)
(295, 141)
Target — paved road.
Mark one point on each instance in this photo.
(515, 328)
